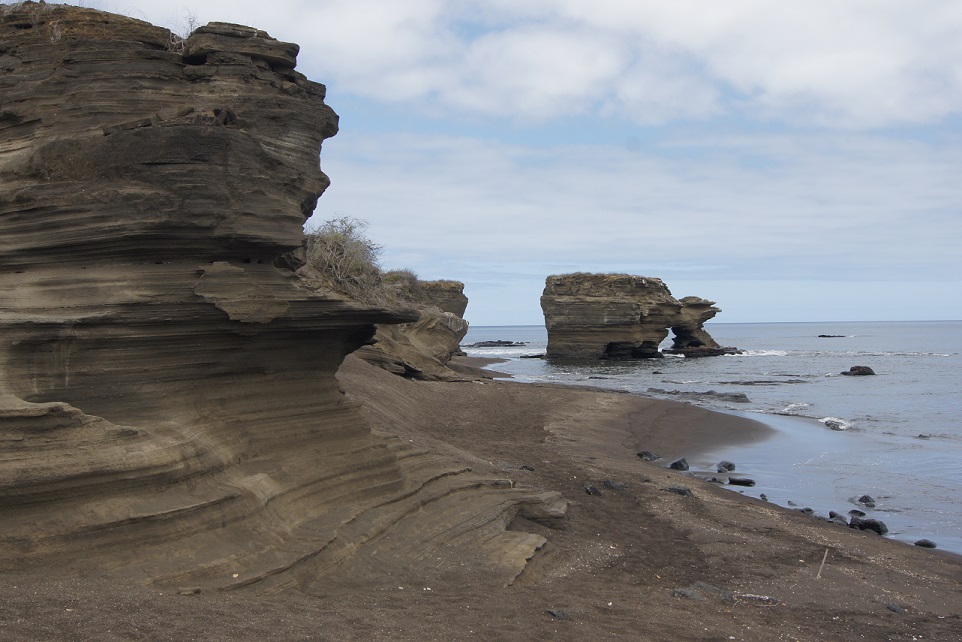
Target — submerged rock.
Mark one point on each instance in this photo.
(858, 371)
(725, 467)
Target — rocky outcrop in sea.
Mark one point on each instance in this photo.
(622, 316)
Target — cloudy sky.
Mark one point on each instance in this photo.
(792, 160)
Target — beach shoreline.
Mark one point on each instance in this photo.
(637, 560)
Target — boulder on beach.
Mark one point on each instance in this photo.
(679, 464)
(868, 524)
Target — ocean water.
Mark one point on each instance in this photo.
(901, 430)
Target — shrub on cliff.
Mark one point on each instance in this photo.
(346, 259)
(404, 283)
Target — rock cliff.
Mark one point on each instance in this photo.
(621, 316)
(422, 348)
(168, 405)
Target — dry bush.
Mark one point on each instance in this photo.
(404, 282)
(347, 260)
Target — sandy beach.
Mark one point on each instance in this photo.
(633, 562)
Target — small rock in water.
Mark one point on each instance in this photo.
(592, 490)
(925, 543)
(856, 512)
(866, 500)
(679, 464)
(680, 490)
(923, 436)
(741, 481)
(615, 485)
(859, 371)
(725, 467)
(647, 455)
(833, 424)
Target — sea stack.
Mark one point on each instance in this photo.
(622, 316)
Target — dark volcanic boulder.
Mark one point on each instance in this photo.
(868, 524)
(679, 464)
(857, 371)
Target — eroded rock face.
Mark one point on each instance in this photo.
(168, 406)
(621, 316)
(421, 349)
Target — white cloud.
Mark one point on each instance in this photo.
(813, 207)
(852, 63)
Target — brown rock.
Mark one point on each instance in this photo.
(168, 405)
(602, 316)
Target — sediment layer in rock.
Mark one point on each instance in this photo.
(168, 406)
(622, 316)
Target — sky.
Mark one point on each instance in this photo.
(793, 161)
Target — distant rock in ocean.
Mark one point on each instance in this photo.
(621, 316)
(857, 371)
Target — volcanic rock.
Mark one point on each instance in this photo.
(619, 316)
(168, 405)
(858, 371)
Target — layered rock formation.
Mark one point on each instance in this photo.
(621, 316)
(168, 406)
(422, 348)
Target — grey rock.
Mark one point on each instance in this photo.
(868, 524)
(679, 464)
(680, 490)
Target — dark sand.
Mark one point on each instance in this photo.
(613, 572)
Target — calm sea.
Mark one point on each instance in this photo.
(901, 437)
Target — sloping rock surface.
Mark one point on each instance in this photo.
(621, 316)
(168, 406)
(421, 349)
